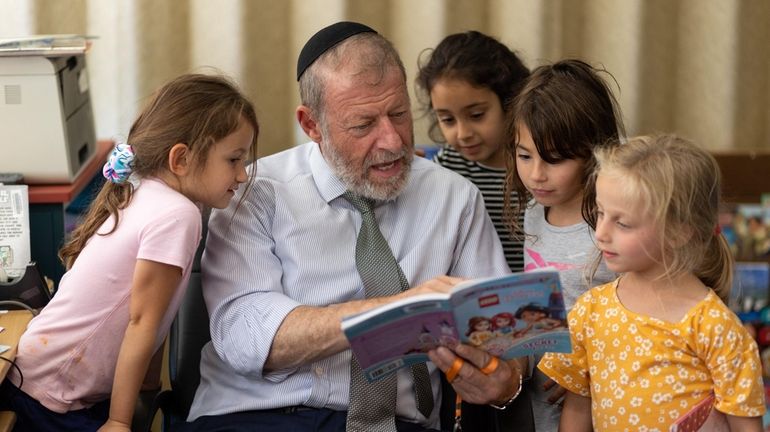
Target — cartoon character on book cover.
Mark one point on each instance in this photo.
(425, 342)
(447, 336)
(479, 330)
(537, 318)
(515, 322)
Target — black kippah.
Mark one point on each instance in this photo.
(326, 38)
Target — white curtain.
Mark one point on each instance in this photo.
(696, 67)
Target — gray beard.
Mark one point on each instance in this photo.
(355, 178)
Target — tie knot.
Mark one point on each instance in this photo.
(362, 204)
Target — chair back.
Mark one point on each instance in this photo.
(189, 333)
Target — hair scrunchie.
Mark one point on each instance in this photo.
(120, 164)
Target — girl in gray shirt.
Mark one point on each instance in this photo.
(564, 112)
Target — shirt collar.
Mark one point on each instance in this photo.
(329, 186)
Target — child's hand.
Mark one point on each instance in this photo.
(115, 426)
(557, 391)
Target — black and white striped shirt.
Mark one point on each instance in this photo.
(491, 183)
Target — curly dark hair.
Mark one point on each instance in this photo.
(474, 57)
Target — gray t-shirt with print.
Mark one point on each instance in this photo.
(572, 251)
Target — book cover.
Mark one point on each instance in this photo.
(746, 226)
(750, 290)
(509, 316)
(701, 417)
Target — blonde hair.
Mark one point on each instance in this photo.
(680, 185)
(195, 109)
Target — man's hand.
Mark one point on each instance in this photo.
(440, 284)
(471, 383)
(290, 350)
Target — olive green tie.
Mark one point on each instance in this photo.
(372, 405)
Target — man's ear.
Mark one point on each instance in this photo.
(180, 159)
(308, 123)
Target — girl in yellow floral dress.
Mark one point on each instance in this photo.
(655, 343)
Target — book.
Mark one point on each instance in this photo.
(750, 291)
(509, 316)
(746, 226)
(701, 417)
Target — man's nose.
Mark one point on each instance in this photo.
(388, 137)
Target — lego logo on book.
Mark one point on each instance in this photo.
(490, 300)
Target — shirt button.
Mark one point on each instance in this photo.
(319, 371)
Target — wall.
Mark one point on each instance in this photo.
(696, 67)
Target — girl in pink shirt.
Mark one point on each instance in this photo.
(82, 360)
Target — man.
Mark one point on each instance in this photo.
(281, 269)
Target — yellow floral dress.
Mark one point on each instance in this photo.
(643, 373)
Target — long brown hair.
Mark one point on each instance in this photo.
(195, 109)
(569, 110)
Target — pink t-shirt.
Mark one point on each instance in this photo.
(69, 351)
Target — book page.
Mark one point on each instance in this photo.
(400, 334)
(513, 316)
(14, 229)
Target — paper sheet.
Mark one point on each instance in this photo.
(14, 229)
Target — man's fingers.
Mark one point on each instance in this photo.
(477, 357)
(442, 357)
(440, 284)
(454, 370)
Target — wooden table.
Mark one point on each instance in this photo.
(15, 323)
